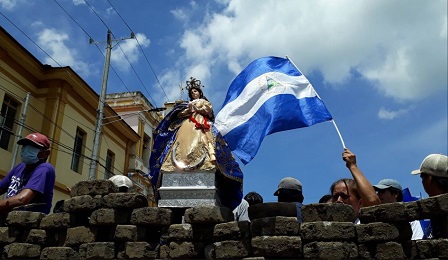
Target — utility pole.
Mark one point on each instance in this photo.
(19, 132)
(100, 111)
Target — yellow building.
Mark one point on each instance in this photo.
(135, 110)
(63, 107)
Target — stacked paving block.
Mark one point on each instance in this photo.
(98, 222)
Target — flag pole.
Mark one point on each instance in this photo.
(332, 120)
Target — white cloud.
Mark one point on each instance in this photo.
(402, 53)
(54, 43)
(179, 14)
(384, 113)
(128, 50)
(10, 4)
(79, 2)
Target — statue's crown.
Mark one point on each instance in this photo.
(193, 83)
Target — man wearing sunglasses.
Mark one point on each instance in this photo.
(29, 185)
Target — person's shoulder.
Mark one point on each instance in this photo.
(47, 166)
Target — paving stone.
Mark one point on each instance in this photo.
(330, 250)
(83, 203)
(388, 212)
(328, 231)
(37, 236)
(234, 230)
(337, 212)
(56, 253)
(186, 250)
(436, 206)
(389, 250)
(272, 209)
(109, 217)
(8, 235)
(97, 250)
(180, 232)
(93, 188)
(152, 216)
(27, 219)
(208, 215)
(378, 232)
(277, 246)
(21, 251)
(131, 233)
(125, 200)
(80, 235)
(232, 249)
(57, 221)
(432, 248)
(275, 226)
(140, 250)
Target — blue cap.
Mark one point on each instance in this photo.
(387, 184)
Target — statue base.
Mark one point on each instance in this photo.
(188, 189)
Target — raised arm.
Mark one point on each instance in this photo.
(365, 188)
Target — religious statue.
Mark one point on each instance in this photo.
(187, 142)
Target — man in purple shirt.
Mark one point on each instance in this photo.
(29, 185)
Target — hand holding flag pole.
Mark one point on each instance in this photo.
(332, 120)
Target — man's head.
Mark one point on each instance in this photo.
(122, 182)
(345, 191)
(289, 190)
(389, 191)
(35, 148)
(325, 199)
(434, 174)
(253, 198)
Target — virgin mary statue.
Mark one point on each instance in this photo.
(186, 140)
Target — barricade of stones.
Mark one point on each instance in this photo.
(100, 223)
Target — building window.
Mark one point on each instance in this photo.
(7, 118)
(110, 160)
(78, 151)
(146, 150)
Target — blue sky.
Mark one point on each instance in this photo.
(379, 66)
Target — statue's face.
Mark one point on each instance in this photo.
(195, 94)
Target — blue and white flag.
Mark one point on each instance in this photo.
(270, 95)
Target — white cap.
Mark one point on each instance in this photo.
(435, 165)
(121, 181)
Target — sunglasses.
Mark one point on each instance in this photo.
(335, 196)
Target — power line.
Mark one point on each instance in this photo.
(141, 49)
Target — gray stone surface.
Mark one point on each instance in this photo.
(432, 248)
(83, 203)
(337, 212)
(389, 250)
(93, 188)
(109, 216)
(37, 236)
(21, 251)
(56, 253)
(330, 250)
(125, 200)
(389, 212)
(275, 226)
(277, 246)
(328, 231)
(180, 232)
(125, 233)
(8, 235)
(80, 235)
(436, 206)
(208, 215)
(234, 230)
(140, 250)
(376, 232)
(152, 216)
(27, 219)
(97, 250)
(231, 249)
(272, 209)
(186, 250)
(57, 221)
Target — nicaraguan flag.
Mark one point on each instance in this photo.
(270, 95)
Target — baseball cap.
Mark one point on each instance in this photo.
(289, 183)
(35, 139)
(435, 165)
(386, 184)
(121, 181)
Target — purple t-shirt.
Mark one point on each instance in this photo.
(41, 180)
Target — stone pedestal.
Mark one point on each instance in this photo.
(188, 189)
